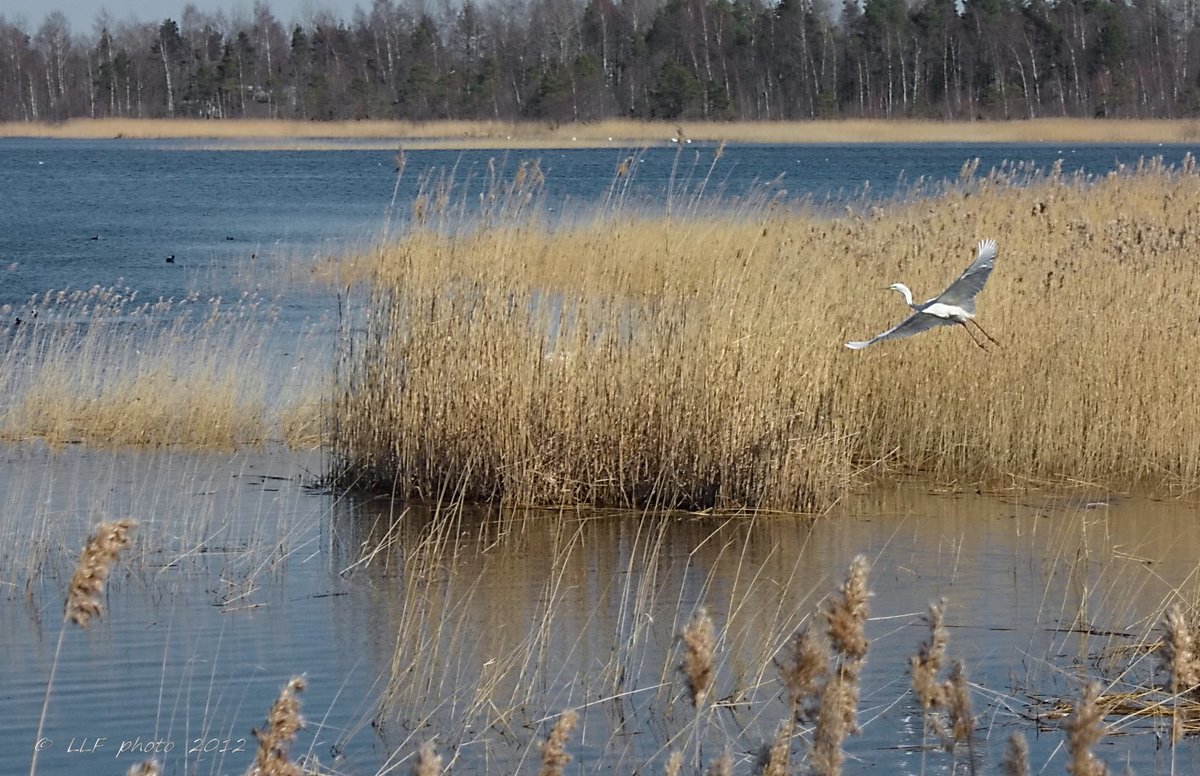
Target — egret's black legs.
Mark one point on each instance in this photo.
(989, 336)
(974, 338)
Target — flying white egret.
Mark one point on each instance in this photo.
(954, 305)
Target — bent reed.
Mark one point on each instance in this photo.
(695, 358)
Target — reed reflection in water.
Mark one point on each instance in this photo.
(477, 629)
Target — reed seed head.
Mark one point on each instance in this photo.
(1085, 728)
(147, 768)
(429, 762)
(1016, 756)
(847, 614)
(957, 693)
(927, 663)
(804, 668)
(699, 645)
(1178, 652)
(674, 764)
(283, 722)
(773, 758)
(91, 572)
(836, 719)
(554, 753)
(722, 766)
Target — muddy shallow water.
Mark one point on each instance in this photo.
(475, 629)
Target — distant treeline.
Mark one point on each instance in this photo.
(581, 60)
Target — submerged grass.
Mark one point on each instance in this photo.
(695, 359)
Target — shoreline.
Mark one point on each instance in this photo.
(250, 134)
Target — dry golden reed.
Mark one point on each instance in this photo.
(773, 758)
(803, 669)
(148, 768)
(102, 367)
(699, 663)
(697, 360)
(846, 615)
(837, 711)
(91, 572)
(836, 719)
(957, 692)
(674, 764)
(554, 748)
(1085, 728)
(1177, 651)
(925, 667)
(429, 762)
(283, 722)
(1016, 756)
(722, 766)
(927, 663)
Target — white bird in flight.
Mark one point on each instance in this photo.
(954, 305)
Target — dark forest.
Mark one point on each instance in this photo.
(567, 60)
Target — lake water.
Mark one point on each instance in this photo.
(475, 628)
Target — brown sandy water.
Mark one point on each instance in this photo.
(475, 629)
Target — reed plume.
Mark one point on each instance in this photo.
(927, 663)
(99, 555)
(1016, 756)
(958, 704)
(1177, 652)
(429, 762)
(1085, 728)
(699, 644)
(283, 722)
(722, 766)
(674, 764)
(83, 597)
(773, 757)
(147, 768)
(554, 753)
(804, 668)
(846, 616)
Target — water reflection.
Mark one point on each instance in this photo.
(502, 620)
(475, 628)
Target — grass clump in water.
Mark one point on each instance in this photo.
(103, 368)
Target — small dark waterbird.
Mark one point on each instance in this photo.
(954, 305)
(171, 259)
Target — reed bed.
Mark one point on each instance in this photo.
(102, 367)
(695, 359)
(496, 134)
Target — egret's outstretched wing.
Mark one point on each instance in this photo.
(961, 292)
(913, 324)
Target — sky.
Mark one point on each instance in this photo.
(82, 13)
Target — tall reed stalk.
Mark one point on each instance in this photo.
(83, 599)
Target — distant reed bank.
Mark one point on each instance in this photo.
(500, 134)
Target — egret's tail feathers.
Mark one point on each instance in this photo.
(857, 345)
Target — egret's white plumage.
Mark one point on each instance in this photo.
(954, 305)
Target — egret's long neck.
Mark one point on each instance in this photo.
(903, 289)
